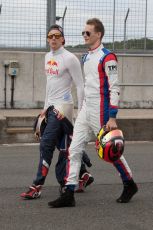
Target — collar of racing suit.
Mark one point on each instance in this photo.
(59, 51)
(96, 49)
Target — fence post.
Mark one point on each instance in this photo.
(125, 28)
(51, 15)
(145, 38)
(113, 24)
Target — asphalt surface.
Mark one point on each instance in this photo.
(96, 208)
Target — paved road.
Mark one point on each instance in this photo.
(96, 208)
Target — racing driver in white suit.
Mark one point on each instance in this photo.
(62, 69)
(100, 108)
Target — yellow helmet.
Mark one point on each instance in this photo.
(110, 144)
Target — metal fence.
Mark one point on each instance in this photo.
(128, 23)
(23, 24)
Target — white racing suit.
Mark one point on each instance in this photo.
(100, 103)
(62, 69)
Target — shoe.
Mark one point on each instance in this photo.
(61, 189)
(80, 187)
(87, 178)
(65, 200)
(129, 190)
(34, 192)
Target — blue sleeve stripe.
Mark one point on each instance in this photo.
(84, 58)
(113, 112)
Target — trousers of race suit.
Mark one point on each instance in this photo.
(57, 133)
(86, 124)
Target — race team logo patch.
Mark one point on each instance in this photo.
(52, 67)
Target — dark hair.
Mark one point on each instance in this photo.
(57, 27)
(99, 27)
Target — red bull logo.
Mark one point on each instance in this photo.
(52, 67)
(52, 63)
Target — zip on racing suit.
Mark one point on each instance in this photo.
(100, 103)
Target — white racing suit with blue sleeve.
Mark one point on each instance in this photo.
(100, 103)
